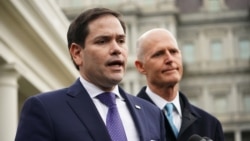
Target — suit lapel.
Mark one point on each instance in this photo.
(189, 115)
(137, 114)
(84, 108)
(187, 120)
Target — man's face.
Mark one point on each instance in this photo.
(103, 59)
(162, 61)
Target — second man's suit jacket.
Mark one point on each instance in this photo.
(69, 114)
(194, 121)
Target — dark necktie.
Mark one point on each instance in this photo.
(169, 107)
(113, 120)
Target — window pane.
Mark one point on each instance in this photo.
(246, 100)
(216, 50)
(188, 53)
(229, 136)
(220, 104)
(214, 5)
(245, 135)
(244, 49)
(147, 2)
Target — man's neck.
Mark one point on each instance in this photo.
(166, 92)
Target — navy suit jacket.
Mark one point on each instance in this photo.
(69, 114)
(194, 121)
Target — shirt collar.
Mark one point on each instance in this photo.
(160, 102)
(93, 90)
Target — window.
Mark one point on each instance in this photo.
(109, 2)
(188, 53)
(246, 102)
(245, 135)
(147, 1)
(244, 49)
(214, 5)
(220, 104)
(229, 136)
(216, 50)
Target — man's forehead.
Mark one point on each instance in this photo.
(106, 28)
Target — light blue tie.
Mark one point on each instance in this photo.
(113, 121)
(169, 107)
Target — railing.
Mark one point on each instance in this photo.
(236, 65)
(234, 117)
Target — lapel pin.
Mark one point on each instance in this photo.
(137, 107)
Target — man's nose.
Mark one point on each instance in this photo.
(115, 48)
(168, 57)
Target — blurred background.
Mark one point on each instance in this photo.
(213, 35)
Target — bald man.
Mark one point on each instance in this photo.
(160, 60)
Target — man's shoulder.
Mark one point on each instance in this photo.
(60, 92)
(204, 115)
(197, 110)
(54, 95)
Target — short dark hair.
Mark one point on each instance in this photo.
(79, 30)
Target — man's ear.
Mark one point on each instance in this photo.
(75, 52)
(139, 66)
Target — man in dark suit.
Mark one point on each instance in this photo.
(159, 59)
(96, 41)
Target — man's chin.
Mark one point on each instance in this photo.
(173, 82)
(116, 80)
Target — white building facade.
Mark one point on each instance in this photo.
(33, 56)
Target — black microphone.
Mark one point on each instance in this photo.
(196, 137)
(207, 139)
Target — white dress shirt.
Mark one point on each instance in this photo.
(127, 120)
(160, 102)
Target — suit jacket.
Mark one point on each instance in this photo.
(194, 121)
(69, 114)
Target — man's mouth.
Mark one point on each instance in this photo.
(115, 63)
(169, 70)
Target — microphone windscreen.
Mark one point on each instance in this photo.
(195, 138)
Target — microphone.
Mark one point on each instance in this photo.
(196, 137)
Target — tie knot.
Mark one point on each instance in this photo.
(107, 98)
(169, 107)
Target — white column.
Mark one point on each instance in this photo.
(237, 136)
(136, 81)
(203, 50)
(8, 102)
(234, 101)
(126, 85)
(172, 25)
(133, 36)
(206, 99)
(230, 51)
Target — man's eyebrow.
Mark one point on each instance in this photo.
(121, 35)
(106, 36)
